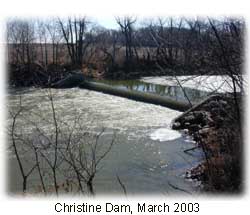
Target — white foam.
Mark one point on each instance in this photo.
(165, 134)
(97, 110)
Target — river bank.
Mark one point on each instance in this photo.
(216, 127)
(212, 126)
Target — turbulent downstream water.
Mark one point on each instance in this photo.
(147, 155)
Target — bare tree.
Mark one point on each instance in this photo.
(66, 152)
(17, 142)
(21, 34)
(84, 154)
(55, 39)
(126, 26)
(43, 43)
(74, 33)
(231, 56)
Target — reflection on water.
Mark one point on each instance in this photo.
(174, 92)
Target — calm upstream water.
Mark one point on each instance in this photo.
(173, 92)
(147, 155)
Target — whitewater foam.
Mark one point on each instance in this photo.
(165, 134)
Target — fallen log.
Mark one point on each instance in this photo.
(195, 107)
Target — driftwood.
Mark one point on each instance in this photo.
(196, 107)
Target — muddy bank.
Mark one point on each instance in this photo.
(215, 125)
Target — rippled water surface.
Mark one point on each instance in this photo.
(147, 155)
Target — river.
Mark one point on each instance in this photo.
(147, 155)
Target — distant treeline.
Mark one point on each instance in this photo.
(41, 49)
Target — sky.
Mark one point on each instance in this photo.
(107, 22)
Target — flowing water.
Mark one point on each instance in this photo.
(147, 155)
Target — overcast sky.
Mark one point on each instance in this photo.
(107, 22)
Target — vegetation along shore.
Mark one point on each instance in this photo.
(72, 121)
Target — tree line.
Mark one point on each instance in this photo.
(42, 51)
(169, 46)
